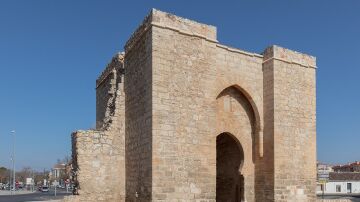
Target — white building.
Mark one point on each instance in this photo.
(57, 171)
(340, 183)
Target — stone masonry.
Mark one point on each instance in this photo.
(99, 155)
(181, 117)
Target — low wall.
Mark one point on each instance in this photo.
(97, 162)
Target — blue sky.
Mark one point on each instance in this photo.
(51, 53)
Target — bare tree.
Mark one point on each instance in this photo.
(24, 173)
(39, 178)
(66, 159)
(4, 174)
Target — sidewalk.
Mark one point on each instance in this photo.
(18, 192)
(46, 201)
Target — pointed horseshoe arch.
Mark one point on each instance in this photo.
(257, 132)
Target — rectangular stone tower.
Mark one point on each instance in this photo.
(290, 121)
(175, 72)
(188, 119)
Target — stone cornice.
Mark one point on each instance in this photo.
(169, 21)
(235, 50)
(183, 32)
(289, 62)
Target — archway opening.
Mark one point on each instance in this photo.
(229, 161)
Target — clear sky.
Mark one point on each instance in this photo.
(51, 53)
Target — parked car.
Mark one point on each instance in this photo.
(44, 189)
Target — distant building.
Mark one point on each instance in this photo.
(340, 183)
(323, 171)
(351, 167)
(57, 171)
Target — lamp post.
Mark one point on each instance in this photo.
(13, 160)
(9, 182)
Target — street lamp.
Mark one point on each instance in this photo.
(9, 182)
(13, 160)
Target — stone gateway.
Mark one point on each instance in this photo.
(181, 117)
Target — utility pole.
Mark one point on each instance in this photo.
(55, 184)
(9, 182)
(13, 160)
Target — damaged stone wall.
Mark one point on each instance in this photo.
(109, 86)
(98, 155)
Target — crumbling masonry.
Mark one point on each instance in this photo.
(181, 117)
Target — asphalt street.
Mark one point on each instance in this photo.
(36, 196)
(352, 198)
(60, 193)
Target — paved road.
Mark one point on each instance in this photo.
(7, 192)
(39, 196)
(36, 196)
(352, 198)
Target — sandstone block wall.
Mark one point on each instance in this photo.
(294, 123)
(138, 116)
(184, 151)
(96, 160)
(110, 93)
